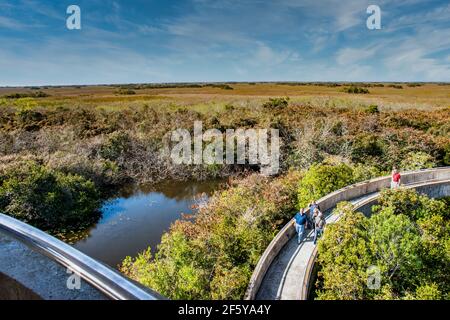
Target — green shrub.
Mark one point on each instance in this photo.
(222, 86)
(322, 179)
(365, 146)
(49, 200)
(357, 90)
(126, 92)
(338, 128)
(410, 121)
(372, 109)
(25, 103)
(40, 94)
(363, 172)
(406, 239)
(276, 103)
(395, 86)
(115, 145)
(30, 119)
(105, 174)
(440, 130)
(345, 243)
(446, 159)
(428, 292)
(410, 203)
(37, 94)
(417, 160)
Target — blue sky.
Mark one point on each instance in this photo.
(227, 40)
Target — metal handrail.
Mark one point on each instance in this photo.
(110, 282)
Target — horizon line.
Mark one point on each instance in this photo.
(215, 82)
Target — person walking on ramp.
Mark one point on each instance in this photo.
(395, 178)
(310, 217)
(300, 222)
(319, 222)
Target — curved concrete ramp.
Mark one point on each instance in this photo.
(286, 273)
(284, 270)
(35, 264)
(30, 275)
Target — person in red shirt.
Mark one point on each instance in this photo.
(395, 178)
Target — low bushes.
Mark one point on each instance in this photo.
(417, 160)
(47, 199)
(395, 86)
(115, 146)
(446, 159)
(126, 92)
(357, 90)
(30, 119)
(276, 103)
(36, 94)
(322, 179)
(105, 174)
(406, 241)
(367, 146)
(372, 109)
(222, 86)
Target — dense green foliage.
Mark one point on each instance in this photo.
(213, 257)
(222, 86)
(446, 159)
(407, 239)
(36, 94)
(323, 179)
(354, 89)
(47, 199)
(395, 86)
(276, 103)
(417, 160)
(372, 109)
(126, 92)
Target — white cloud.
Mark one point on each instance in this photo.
(435, 15)
(346, 56)
(267, 56)
(9, 23)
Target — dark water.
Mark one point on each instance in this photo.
(139, 216)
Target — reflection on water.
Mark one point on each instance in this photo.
(138, 217)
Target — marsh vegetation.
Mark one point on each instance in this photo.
(76, 145)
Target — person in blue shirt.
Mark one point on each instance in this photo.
(300, 222)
